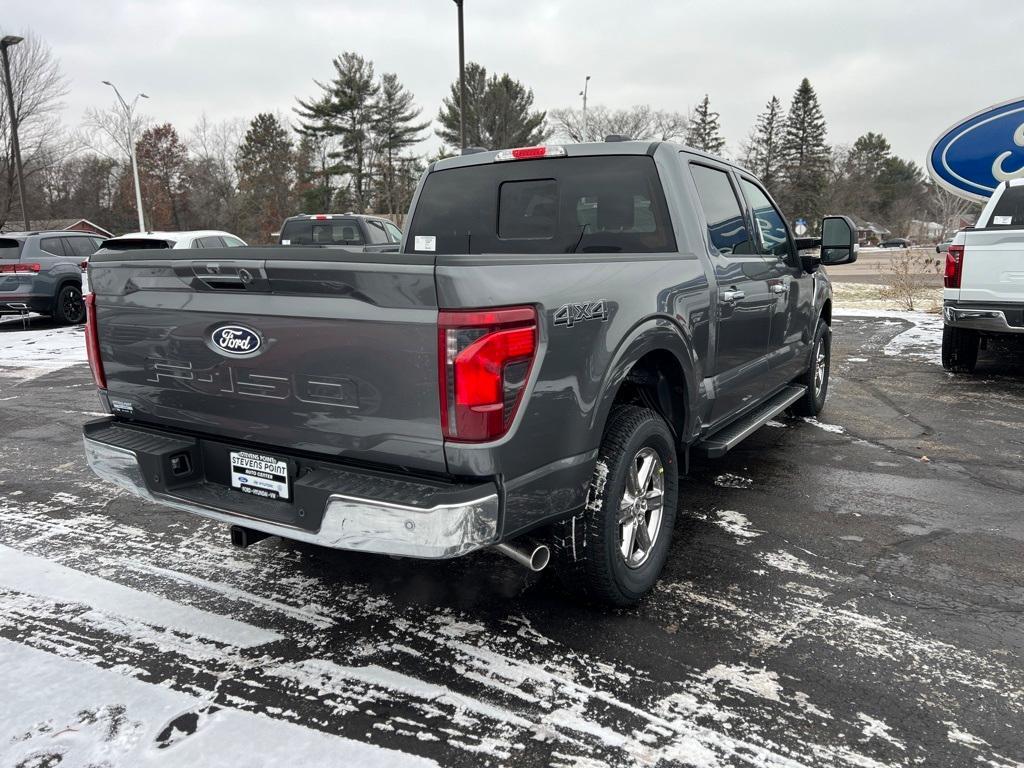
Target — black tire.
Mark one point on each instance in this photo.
(813, 400)
(959, 349)
(69, 307)
(589, 549)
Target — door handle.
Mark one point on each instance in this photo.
(780, 288)
(728, 297)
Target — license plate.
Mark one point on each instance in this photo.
(260, 475)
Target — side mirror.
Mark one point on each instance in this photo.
(808, 249)
(838, 240)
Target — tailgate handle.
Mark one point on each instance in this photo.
(230, 277)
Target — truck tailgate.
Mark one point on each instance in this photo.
(325, 351)
(993, 266)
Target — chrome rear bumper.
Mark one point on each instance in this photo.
(979, 319)
(349, 522)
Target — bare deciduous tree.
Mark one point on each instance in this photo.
(37, 85)
(637, 122)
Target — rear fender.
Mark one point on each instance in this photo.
(653, 334)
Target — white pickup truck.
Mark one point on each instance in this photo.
(984, 279)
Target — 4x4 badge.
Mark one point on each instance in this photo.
(570, 314)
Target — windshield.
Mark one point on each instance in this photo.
(321, 232)
(607, 204)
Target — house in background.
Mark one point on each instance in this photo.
(68, 225)
(869, 233)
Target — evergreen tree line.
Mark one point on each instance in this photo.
(352, 147)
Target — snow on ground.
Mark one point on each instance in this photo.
(71, 713)
(923, 340)
(39, 350)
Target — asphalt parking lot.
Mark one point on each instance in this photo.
(846, 592)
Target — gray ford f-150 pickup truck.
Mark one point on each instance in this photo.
(561, 328)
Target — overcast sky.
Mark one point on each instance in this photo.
(905, 69)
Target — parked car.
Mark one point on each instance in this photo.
(201, 238)
(896, 242)
(42, 272)
(984, 279)
(563, 327)
(374, 233)
(943, 246)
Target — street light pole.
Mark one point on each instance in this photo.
(462, 80)
(6, 43)
(583, 93)
(129, 113)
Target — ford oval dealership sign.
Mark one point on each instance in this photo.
(980, 152)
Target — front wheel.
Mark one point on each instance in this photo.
(816, 378)
(613, 552)
(69, 306)
(959, 349)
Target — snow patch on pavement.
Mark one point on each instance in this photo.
(736, 524)
(74, 714)
(39, 351)
(32, 575)
(833, 428)
(729, 480)
(923, 340)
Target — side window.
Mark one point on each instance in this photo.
(232, 242)
(727, 226)
(208, 242)
(53, 246)
(375, 229)
(394, 232)
(80, 247)
(772, 234)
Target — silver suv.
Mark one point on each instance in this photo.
(42, 272)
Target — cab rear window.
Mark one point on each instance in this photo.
(321, 232)
(136, 244)
(608, 204)
(1009, 210)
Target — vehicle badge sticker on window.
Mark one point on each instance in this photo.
(1002, 220)
(286, 242)
(426, 243)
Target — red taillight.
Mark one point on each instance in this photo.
(484, 360)
(83, 264)
(954, 266)
(22, 268)
(92, 342)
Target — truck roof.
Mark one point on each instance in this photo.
(584, 150)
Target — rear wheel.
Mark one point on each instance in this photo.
(959, 349)
(816, 378)
(615, 549)
(69, 307)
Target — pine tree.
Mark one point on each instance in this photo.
(498, 112)
(163, 161)
(763, 152)
(805, 156)
(265, 163)
(704, 132)
(345, 111)
(394, 129)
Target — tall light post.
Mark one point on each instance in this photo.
(583, 93)
(129, 113)
(462, 80)
(5, 43)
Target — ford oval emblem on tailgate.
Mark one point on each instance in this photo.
(236, 340)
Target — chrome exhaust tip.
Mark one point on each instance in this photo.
(530, 555)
